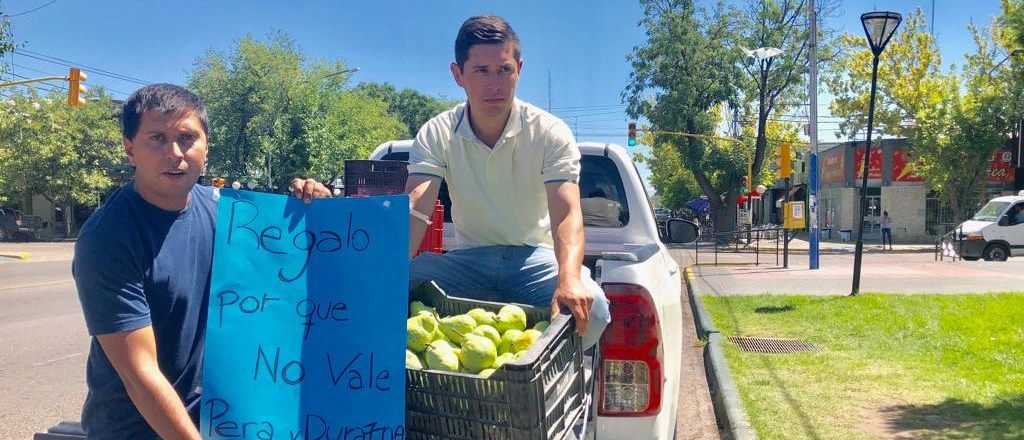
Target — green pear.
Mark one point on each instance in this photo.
(510, 317)
(456, 327)
(416, 307)
(525, 340)
(441, 356)
(482, 317)
(503, 359)
(486, 373)
(488, 331)
(507, 339)
(478, 353)
(417, 336)
(412, 361)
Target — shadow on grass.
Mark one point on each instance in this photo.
(957, 419)
(775, 309)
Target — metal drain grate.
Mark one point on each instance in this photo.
(771, 345)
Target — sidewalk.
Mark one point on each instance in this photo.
(36, 251)
(888, 273)
(872, 246)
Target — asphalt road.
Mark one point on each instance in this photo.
(44, 346)
(43, 350)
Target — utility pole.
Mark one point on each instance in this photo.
(931, 27)
(814, 252)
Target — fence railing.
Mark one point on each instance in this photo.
(950, 245)
(747, 240)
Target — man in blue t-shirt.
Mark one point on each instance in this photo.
(142, 267)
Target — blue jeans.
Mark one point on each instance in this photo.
(519, 274)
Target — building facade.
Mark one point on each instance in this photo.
(917, 215)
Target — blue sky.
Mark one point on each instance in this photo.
(582, 43)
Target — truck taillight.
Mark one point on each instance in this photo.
(630, 379)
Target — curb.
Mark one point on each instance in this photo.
(24, 256)
(724, 395)
(703, 322)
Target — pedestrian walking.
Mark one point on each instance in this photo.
(886, 224)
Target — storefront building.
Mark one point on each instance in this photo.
(917, 215)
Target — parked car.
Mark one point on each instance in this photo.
(15, 226)
(996, 232)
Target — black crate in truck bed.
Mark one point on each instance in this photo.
(538, 397)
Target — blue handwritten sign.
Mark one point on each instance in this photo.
(305, 328)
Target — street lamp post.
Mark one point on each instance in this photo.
(879, 26)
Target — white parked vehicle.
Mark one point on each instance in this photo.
(638, 381)
(996, 232)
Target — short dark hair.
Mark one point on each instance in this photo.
(483, 29)
(164, 98)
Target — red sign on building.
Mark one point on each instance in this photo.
(901, 167)
(874, 165)
(1001, 167)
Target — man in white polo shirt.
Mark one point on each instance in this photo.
(512, 171)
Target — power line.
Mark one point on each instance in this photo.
(90, 69)
(31, 10)
(48, 73)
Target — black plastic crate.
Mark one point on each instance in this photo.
(375, 177)
(538, 397)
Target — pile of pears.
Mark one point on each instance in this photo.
(476, 342)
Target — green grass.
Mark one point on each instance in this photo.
(922, 366)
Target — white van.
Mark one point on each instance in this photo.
(996, 232)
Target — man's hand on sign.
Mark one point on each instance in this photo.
(571, 295)
(308, 189)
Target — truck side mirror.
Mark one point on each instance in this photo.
(1004, 220)
(681, 231)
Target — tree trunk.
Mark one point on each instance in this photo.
(762, 122)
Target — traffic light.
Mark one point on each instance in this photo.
(785, 161)
(632, 135)
(75, 88)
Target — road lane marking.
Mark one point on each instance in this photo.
(55, 360)
(43, 284)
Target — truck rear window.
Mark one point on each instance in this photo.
(602, 196)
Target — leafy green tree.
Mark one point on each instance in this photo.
(68, 155)
(776, 83)
(412, 107)
(674, 183)
(680, 75)
(274, 116)
(6, 41)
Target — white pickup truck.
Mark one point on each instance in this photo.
(638, 383)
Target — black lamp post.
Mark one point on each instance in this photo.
(879, 26)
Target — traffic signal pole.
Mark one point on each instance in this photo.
(75, 79)
(32, 80)
(814, 251)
